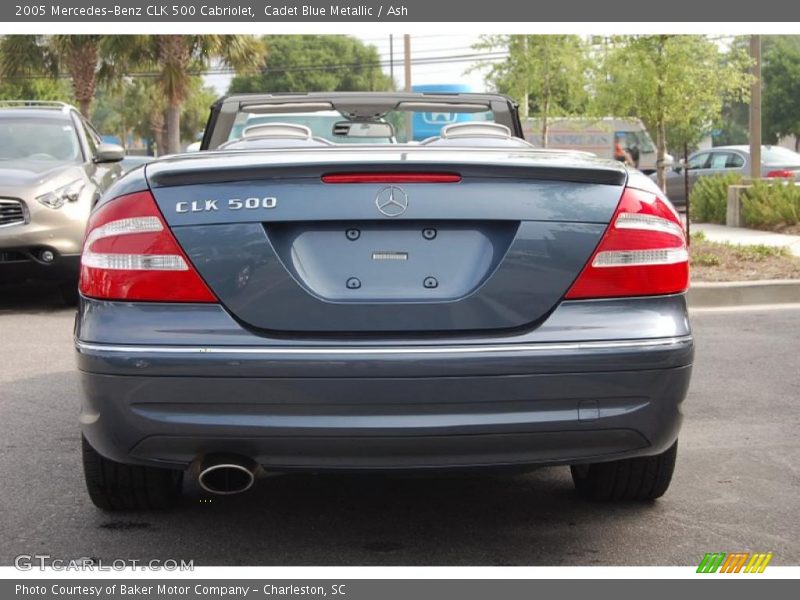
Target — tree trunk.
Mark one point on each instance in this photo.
(161, 142)
(661, 152)
(158, 129)
(82, 59)
(661, 128)
(546, 94)
(545, 121)
(525, 104)
(173, 128)
(85, 106)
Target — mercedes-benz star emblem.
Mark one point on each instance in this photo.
(392, 201)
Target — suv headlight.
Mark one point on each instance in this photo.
(59, 196)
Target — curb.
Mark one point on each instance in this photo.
(738, 293)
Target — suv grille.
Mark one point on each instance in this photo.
(11, 212)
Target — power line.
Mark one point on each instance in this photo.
(221, 70)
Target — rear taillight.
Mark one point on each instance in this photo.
(781, 173)
(642, 253)
(130, 254)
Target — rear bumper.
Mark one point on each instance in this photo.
(386, 407)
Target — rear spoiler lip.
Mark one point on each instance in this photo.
(179, 175)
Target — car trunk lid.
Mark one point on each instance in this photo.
(494, 248)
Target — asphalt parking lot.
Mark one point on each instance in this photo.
(736, 488)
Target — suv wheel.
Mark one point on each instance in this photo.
(117, 486)
(643, 478)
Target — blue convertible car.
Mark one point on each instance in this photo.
(299, 296)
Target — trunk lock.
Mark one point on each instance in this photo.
(429, 233)
(430, 282)
(352, 234)
(353, 283)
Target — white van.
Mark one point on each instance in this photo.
(597, 135)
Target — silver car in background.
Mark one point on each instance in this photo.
(53, 169)
(776, 161)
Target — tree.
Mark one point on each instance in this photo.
(733, 126)
(176, 58)
(316, 63)
(673, 83)
(35, 89)
(781, 76)
(545, 73)
(79, 56)
(135, 108)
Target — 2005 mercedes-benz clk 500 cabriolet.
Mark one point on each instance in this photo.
(383, 282)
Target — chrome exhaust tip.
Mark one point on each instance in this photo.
(226, 474)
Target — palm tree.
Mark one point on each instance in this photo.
(78, 56)
(176, 58)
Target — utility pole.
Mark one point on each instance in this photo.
(391, 58)
(407, 60)
(523, 109)
(755, 108)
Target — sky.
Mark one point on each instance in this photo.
(431, 49)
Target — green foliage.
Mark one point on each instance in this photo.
(733, 125)
(316, 63)
(135, 108)
(705, 259)
(674, 83)
(708, 200)
(35, 89)
(680, 79)
(547, 71)
(769, 204)
(781, 75)
(766, 204)
(36, 56)
(757, 252)
(176, 59)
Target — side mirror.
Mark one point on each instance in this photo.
(109, 153)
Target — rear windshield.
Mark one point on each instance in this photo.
(776, 155)
(39, 139)
(408, 126)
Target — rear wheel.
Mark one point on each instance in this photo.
(643, 478)
(117, 486)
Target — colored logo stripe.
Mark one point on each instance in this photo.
(758, 563)
(734, 562)
(711, 562)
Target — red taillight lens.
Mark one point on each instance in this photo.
(130, 254)
(781, 173)
(642, 253)
(391, 178)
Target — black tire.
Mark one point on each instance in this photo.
(117, 486)
(644, 478)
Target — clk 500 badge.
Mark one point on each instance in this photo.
(232, 204)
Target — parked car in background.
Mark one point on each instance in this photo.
(776, 161)
(597, 136)
(283, 301)
(131, 161)
(53, 169)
